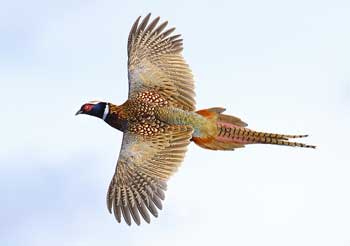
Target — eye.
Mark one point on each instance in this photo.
(87, 107)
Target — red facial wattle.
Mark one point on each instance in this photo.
(87, 107)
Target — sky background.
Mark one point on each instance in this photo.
(282, 66)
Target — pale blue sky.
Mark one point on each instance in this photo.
(281, 66)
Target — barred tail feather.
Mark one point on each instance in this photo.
(232, 133)
(247, 136)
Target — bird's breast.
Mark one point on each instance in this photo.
(117, 122)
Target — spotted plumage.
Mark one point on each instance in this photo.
(159, 121)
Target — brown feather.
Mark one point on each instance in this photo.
(152, 209)
(143, 211)
(135, 214)
(117, 213)
(154, 63)
(139, 181)
(126, 214)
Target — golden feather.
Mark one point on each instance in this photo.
(145, 163)
(155, 63)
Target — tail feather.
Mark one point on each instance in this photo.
(247, 136)
(231, 133)
(285, 143)
(215, 144)
(224, 118)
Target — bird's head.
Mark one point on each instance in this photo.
(95, 108)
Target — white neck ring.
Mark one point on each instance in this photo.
(105, 113)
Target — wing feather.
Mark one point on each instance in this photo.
(155, 63)
(145, 164)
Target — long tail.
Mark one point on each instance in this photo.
(232, 133)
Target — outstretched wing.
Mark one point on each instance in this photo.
(155, 63)
(143, 167)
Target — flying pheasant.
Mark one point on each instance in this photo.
(159, 121)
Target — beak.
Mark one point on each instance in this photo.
(79, 112)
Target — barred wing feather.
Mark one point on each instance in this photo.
(143, 167)
(155, 63)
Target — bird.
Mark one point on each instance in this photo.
(159, 120)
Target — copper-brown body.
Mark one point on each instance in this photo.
(138, 114)
(149, 114)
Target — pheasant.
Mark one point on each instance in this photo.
(159, 121)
